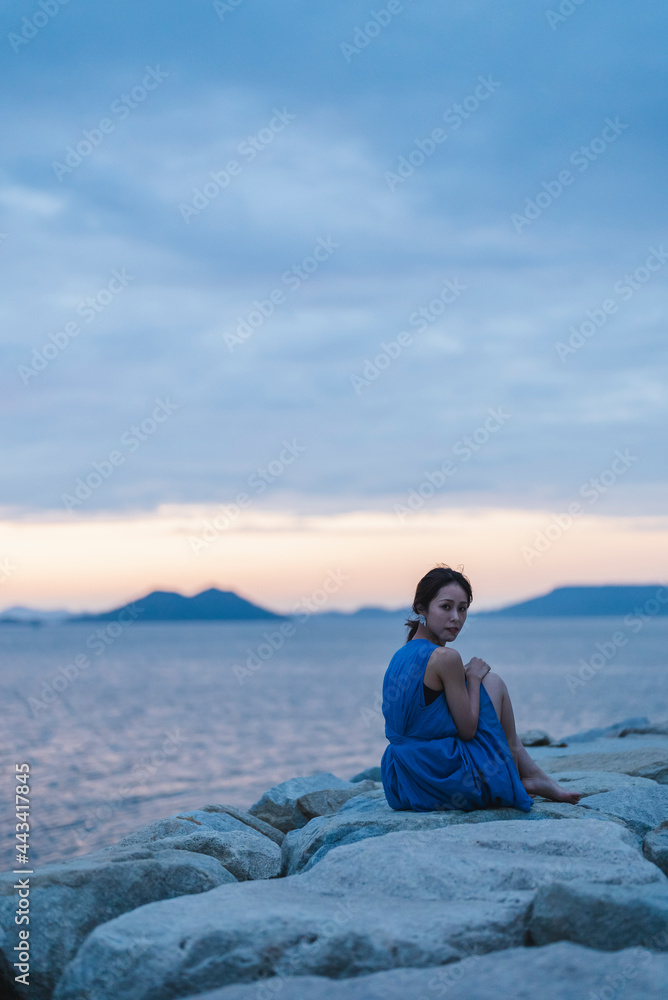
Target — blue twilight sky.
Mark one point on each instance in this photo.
(304, 111)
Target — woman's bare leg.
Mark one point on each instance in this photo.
(534, 779)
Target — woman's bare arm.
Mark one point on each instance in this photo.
(461, 687)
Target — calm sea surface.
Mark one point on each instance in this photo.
(159, 720)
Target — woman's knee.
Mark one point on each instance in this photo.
(494, 682)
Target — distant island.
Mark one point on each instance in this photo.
(225, 605)
(575, 602)
(161, 605)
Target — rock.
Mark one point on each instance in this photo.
(645, 762)
(373, 905)
(658, 728)
(247, 855)
(370, 774)
(564, 971)
(614, 730)
(183, 824)
(593, 782)
(278, 806)
(372, 817)
(655, 847)
(69, 899)
(535, 738)
(329, 800)
(607, 917)
(641, 809)
(257, 824)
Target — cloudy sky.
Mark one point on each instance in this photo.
(293, 289)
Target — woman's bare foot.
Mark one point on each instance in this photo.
(541, 784)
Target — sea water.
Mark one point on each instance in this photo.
(163, 718)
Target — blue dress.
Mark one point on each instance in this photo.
(426, 765)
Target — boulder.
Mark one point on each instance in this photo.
(70, 899)
(535, 738)
(593, 782)
(607, 917)
(372, 817)
(369, 774)
(279, 807)
(564, 971)
(329, 800)
(183, 824)
(655, 847)
(611, 731)
(644, 762)
(373, 905)
(247, 855)
(641, 809)
(656, 728)
(256, 824)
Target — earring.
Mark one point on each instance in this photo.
(422, 619)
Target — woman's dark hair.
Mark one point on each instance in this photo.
(428, 588)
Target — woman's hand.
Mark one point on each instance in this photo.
(476, 668)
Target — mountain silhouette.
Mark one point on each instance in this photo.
(575, 601)
(210, 605)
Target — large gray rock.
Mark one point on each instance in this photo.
(535, 738)
(562, 971)
(645, 762)
(641, 809)
(279, 806)
(655, 847)
(185, 823)
(368, 774)
(613, 730)
(246, 854)
(608, 917)
(252, 821)
(70, 899)
(328, 801)
(367, 906)
(657, 728)
(372, 817)
(594, 782)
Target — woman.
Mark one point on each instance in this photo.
(451, 727)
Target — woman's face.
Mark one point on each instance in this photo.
(447, 612)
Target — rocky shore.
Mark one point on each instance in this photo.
(321, 891)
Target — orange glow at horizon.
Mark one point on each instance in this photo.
(275, 559)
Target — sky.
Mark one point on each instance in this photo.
(296, 292)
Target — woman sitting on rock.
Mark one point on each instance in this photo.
(451, 727)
